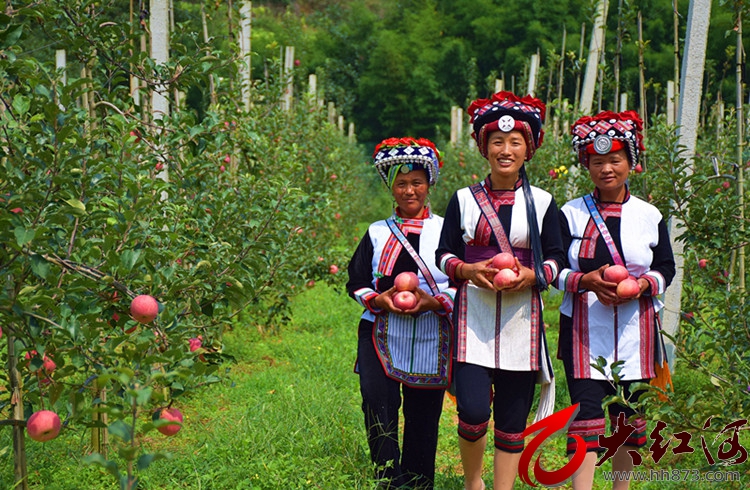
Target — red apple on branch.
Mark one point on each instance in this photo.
(144, 308)
(43, 425)
(172, 415)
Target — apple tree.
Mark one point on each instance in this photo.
(220, 218)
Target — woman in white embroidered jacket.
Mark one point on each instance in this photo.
(602, 232)
(500, 341)
(403, 350)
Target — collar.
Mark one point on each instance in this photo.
(625, 199)
(426, 213)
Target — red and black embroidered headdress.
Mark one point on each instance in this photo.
(607, 132)
(505, 111)
(395, 155)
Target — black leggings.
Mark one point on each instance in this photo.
(381, 399)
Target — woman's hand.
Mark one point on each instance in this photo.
(606, 291)
(480, 273)
(525, 279)
(425, 302)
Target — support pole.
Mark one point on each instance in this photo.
(596, 47)
(696, 38)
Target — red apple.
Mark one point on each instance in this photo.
(222, 168)
(503, 260)
(406, 281)
(195, 344)
(334, 177)
(159, 166)
(552, 173)
(16, 211)
(702, 263)
(333, 269)
(144, 308)
(48, 364)
(43, 425)
(725, 184)
(173, 415)
(1, 333)
(504, 278)
(404, 300)
(628, 288)
(638, 168)
(227, 159)
(616, 273)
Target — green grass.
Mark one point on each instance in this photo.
(288, 416)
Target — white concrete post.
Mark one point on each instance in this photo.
(592, 63)
(691, 88)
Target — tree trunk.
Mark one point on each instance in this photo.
(16, 400)
(211, 84)
(740, 62)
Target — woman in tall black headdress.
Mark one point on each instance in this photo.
(500, 342)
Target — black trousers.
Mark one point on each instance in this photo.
(412, 466)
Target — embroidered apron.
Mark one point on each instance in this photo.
(415, 350)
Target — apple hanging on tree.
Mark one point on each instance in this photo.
(172, 415)
(144, 308)
(43, 425)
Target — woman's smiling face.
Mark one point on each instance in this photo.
(506, 153)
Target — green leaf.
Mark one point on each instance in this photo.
(109, 465)
(21, 104)
(129, 258)
(79, 209)
(39, 266)
(23, 236)
(146, 459)
(144, 395)
(120, 429)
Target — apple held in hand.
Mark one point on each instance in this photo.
(503, 260)
(144, 308)
(616, 274)
(504, 278)
(172, 415)
(628, 288)
(43, 425)
(404, 300)
(406, 281)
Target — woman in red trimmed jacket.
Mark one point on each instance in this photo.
(403, 351)
(605, 233)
